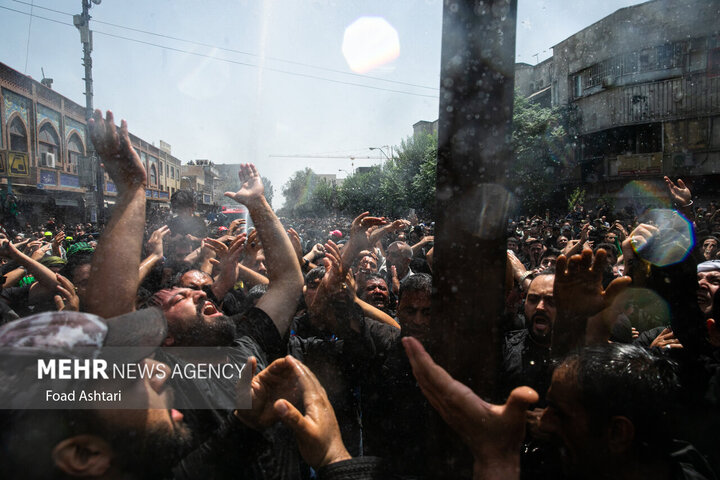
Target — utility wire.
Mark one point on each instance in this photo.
(27, 45)
(271, 69)
(304, 75)
(292, 62)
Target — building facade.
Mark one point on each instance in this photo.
(202, 178)
(644, 87)
(43, 155)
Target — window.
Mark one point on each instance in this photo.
(634, 102)
(18, 136)
(578, 90)
(49, 146)
(75, 151)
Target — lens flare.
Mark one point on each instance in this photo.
(645, 307)
(637, 196)
(370, 42)
(673, 241)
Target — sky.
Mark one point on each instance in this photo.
(238, 81)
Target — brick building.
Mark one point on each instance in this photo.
(43, 146)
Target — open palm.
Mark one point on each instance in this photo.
(251, 186)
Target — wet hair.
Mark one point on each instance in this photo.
(545, 271)
(618, 379)
(316, 273)
(185, 269)
(182, 199)
(608, 247)
(73, 262)
(418, 282)
(253, 296)
(369, 276)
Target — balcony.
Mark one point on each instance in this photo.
(683, 97)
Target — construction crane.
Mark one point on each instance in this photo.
(351, 157)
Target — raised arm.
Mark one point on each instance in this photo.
(114, 278)
(286, 280)
(47, 282)
(494, 433)
(579, 296)
(154, 250)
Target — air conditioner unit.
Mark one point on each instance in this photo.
(608, 81)
(47, 160)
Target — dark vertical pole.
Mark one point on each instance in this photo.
(476, 104)
(83, 24)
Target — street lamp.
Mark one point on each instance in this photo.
(381, 151)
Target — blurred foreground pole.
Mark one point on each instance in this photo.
(476, 104)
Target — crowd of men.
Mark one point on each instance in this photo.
(611, 358)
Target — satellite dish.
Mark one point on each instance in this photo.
(96, 2)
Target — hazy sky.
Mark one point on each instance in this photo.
(246, 85)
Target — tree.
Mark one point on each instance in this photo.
(405, 182)
(298, 192)
(269, 191)
(324, 198)
(541, 147)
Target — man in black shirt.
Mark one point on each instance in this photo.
(526, 352)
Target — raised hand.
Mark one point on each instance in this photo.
(154, 245)
(398, 225)
(679, 193)
(637, 241)
(275, 382)
(237, 224)
(318, 250)
(66, 298)
(119, 157)
(216, 246)
(360, 239)
(253, 243)
(251, 188)
(336, 272)
(7, 249)
(57, 242)
(666, 339)
(316, 430)
(585, 312)
(359, 229)
(578, 288)
(296, 244)
(394, 280)
(494, 433)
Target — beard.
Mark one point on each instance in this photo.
(152, 452)
(217, 332)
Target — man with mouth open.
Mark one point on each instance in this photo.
(376, 293)
(708, 276)
(192, 320)
(526, 352)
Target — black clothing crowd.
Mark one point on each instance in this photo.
(611, 360)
